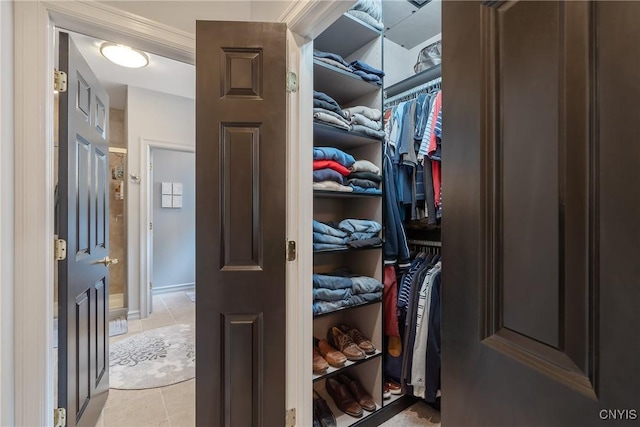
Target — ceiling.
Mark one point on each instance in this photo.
(408, 25)
(162, 74)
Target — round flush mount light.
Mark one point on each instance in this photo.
(124, 56)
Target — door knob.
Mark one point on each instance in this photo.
(108, 261)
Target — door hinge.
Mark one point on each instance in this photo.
(291, 250)
(292, 81)
(150, 285)
(59, 417)
(59, 249)
(59, 81)
(291, 418)
(150, 226)
(150, 166)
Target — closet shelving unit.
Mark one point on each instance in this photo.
(353, 40)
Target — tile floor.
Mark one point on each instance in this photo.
(171, 406)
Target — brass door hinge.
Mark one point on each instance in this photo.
(291, 418)
(59, 81)
(292, 81)
(59, 249)
(291, 250)
(59, 417)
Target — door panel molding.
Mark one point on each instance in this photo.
(528, 314)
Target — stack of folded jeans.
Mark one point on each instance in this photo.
(367, 72)
(343, 289)
(369, 11)
(327, 110)
(330, 167)
(365, 120)
(364, 177)
(350, 233)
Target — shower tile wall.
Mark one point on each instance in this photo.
(117, 224)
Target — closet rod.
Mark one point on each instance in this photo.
(414, 90)
(425, 243)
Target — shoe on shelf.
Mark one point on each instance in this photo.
(386, 393)
(363, 398)
(320, 365)
(345, 344)
(394, 387)
(343, 399)
(330, 354)
(361, 341)
(321, 412)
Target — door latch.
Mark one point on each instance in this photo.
(59, 417)
(59, 249)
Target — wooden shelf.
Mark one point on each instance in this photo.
(342, 419)
(347, 249)
(342, 194)
(325, 135)
(346, 35)
(334, 371)
(339, 84)
(315, 316)
(413, 81)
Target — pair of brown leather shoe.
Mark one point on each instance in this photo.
(342, 338)
(349, 395)
(331, 356)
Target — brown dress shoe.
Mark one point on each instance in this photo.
(343, 398)
(345, 344)
(331, 355)
(363, 398)
(357, 337)
(319, 364)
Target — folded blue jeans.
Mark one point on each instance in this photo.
(331, 282)
(363, 66)
(327, 246)
(362, 235)
(330, 153)
(320, 307)
(320, 227)
(359, 225)
(357, 189)
(327, 238)
(362, 298)
(365, 285)
(368, 77)
(324, 294)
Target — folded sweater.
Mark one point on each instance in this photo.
(370, 113)
(331, 164)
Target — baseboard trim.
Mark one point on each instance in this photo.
(117, 312)
(174, 288)
(133, 315)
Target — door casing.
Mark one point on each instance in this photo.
(32, 389)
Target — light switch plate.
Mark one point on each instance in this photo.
(177, 189)
(166, 201)
(166, 188)
(177, 201)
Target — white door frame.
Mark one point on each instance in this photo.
(146, 215)
(33, 180)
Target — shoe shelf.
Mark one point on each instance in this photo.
(342, 419)
(343, 309)
(349, 363)
(327, 135)
(336, 251)
(392, 399)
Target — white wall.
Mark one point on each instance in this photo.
(399, 62)
(6, 213)
(174, 229)
(151, 116)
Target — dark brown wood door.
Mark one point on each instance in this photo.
(241, 123)
(541, 241)
(83, 199)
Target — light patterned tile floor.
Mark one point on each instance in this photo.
(171, 406)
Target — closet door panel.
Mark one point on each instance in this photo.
(538, 118)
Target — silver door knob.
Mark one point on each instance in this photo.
(108, 261)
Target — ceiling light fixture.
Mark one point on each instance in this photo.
(124, 56)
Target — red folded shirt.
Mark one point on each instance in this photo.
(331, 164)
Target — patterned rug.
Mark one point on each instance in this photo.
(154, 358)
